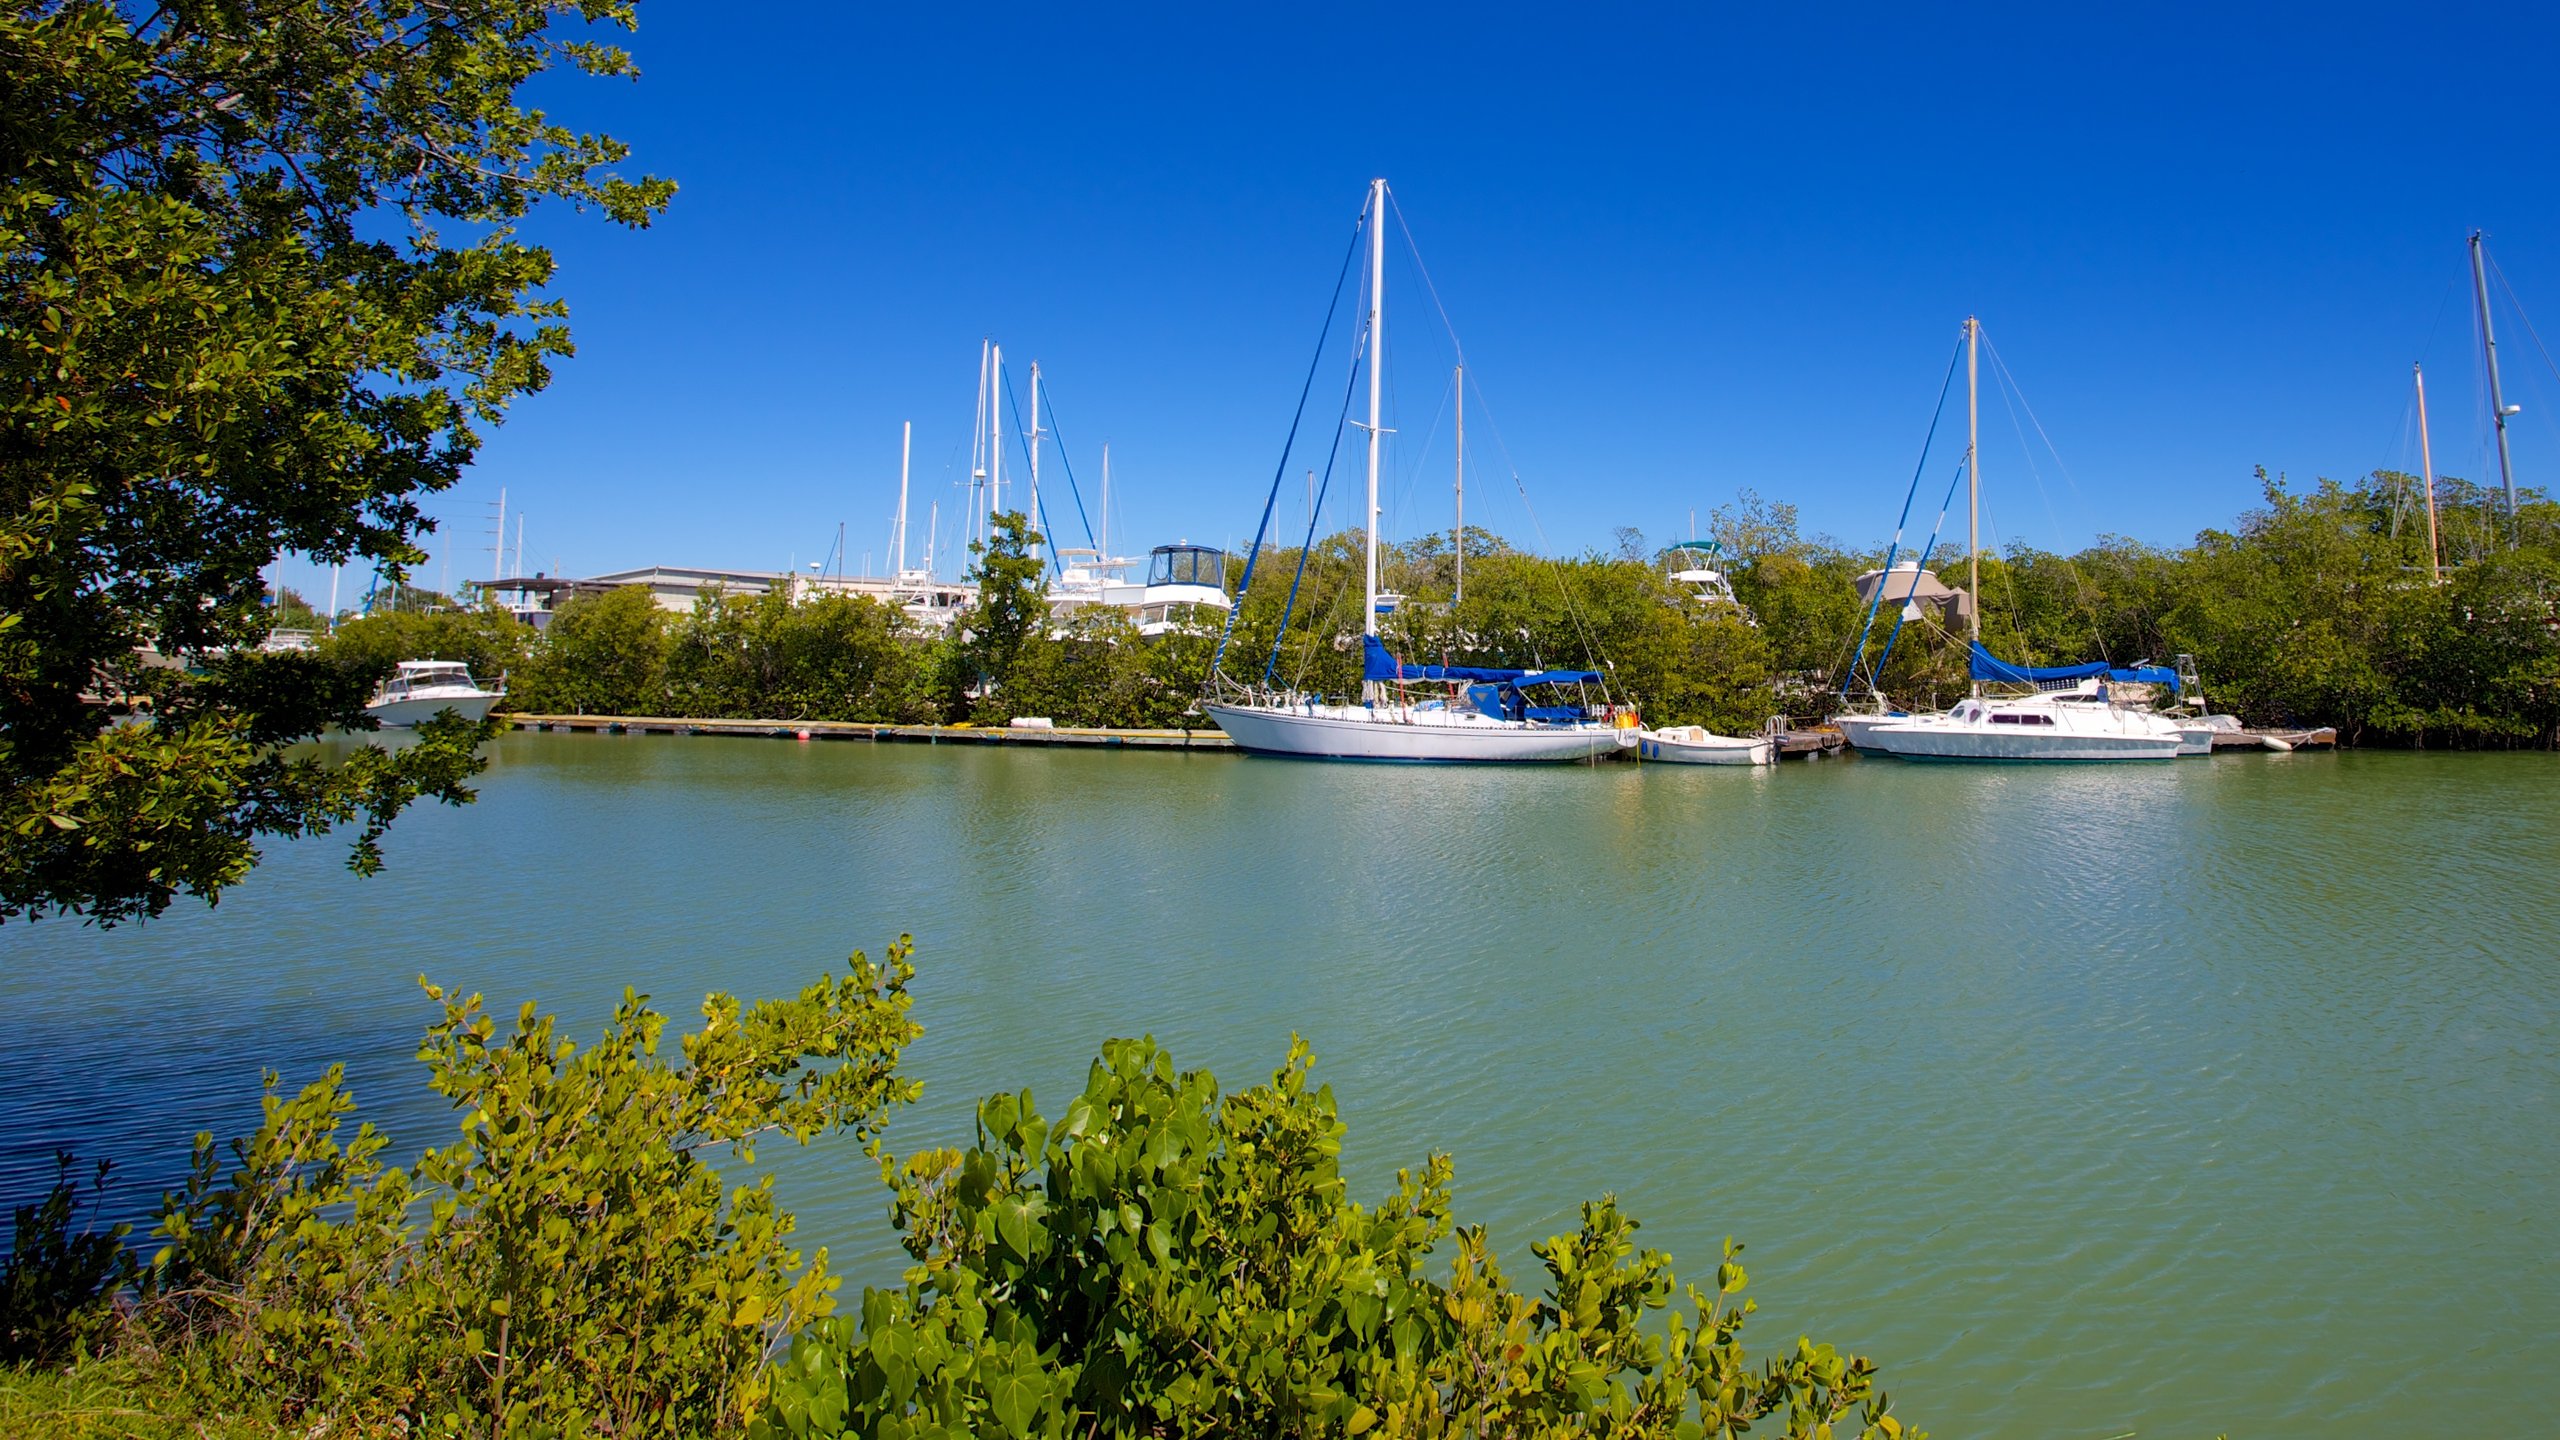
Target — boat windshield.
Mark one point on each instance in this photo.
(1187, 565)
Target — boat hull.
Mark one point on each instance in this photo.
(1948, 742)
(1333, 734)
(1854, 728)
(1669, 748)
(418, 709)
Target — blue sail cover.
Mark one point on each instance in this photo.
(1987, 666)
(1377, 663)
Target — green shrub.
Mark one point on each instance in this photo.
(1164, 1259)
(59, 1283)
(572, 1264)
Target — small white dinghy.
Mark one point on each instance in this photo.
(1694, 745)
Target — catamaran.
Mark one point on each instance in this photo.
(1406, 711)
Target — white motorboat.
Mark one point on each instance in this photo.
(2079, 724)
(1415, 712)
(420, 689)
(1696, 745)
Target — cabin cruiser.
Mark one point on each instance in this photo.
(1692, 570)
(1186, 587)
(419, 689)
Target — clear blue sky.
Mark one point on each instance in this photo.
(1687, 253)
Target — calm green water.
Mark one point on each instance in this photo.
(2183, 1099)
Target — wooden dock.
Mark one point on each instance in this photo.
(1203, 739)
(1812, 743)
(2323, 738)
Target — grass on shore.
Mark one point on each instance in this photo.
(117, 1399)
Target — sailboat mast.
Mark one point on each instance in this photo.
(1377, 380)
(2498, 409)
(978, 444)
(906, 452)
(1458, 525)
(995, 438)
(1035, 442)
(2427, 464)
(1973, 482)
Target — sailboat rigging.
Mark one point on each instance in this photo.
(2072, 714)
(1407, 711)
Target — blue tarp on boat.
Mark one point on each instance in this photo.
(1987, 666)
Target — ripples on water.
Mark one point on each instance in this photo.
(2210, 1097)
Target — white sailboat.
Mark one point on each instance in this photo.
(1415, 712)
(2079, 723)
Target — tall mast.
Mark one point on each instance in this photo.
(906, 450)
(1106, 502)
(1035, 442)
(1973, 482)
(519, 570)
(2427, 463)
(1458, 525)
(2498, 407)
(498, 543)
(995, 437)
(1377, 381)
(978, 444)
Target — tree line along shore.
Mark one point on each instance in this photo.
(2320, 608)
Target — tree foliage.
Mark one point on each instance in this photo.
(600, 655)
(259, 287)
(769, 656)
(488, 639)
(1166, 1259)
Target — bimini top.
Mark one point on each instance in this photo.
(1987, 666)
(1378, 663)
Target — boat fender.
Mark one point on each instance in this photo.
(2281, 747)
(800, 735)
